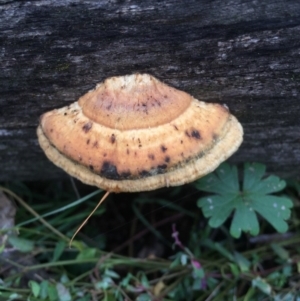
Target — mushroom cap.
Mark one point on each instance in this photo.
(135, 133)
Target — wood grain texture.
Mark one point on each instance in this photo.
(244, 53)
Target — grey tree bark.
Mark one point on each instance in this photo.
(244, 53)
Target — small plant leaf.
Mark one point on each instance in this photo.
(281, 252)
(63, 292)
(52, 293)
(246, 203)
(262, 285)
(21, 244)
(111, 273)
(44, 289)
(184, 259)
(105, 283)
(59, 249)
(234, 269)
(87, 254)
(35, 288)
(108, 296)
(144, 297)
(242, 261)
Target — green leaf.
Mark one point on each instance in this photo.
(176, 262)
(63, 292)
(217, 247)
(21, 244)
(87, 253)
(262, 285)
(108, 296)
(14, 296)
(35, 288)
(280, 251)
(59, 249)
(286, 297)
(111, 273)
(198, 273)
(144, 297)
(44, 289)
(244, 204)
(126, 280)
(252, 175)
(184, 259)
(242, 261)
(144, 280)
(52, 292)
(234, 269)
(105, 283)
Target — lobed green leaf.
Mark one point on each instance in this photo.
(244, 205)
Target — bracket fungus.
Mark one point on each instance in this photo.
(135, 133)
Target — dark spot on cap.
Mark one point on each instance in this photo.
(105, 154)
(109, 171)
(65, 113)
(167, 159)
(175, 127)
(144, 173)
(125, 175)
(151, 156)
(195, 134)
(163, 148)
(87, 126)
(95, 144)
(127, 151)
(88, 141)
(181, 141)
(113, 138)
(201, 154)
(161, 168)
(215, 137)
(51, 130)
(158, 102)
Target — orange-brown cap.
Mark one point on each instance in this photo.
(135, 133)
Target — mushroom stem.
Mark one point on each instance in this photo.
(85, 221)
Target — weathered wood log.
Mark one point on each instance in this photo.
(245, 54)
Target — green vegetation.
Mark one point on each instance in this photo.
(223, 237)
(254, 196)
